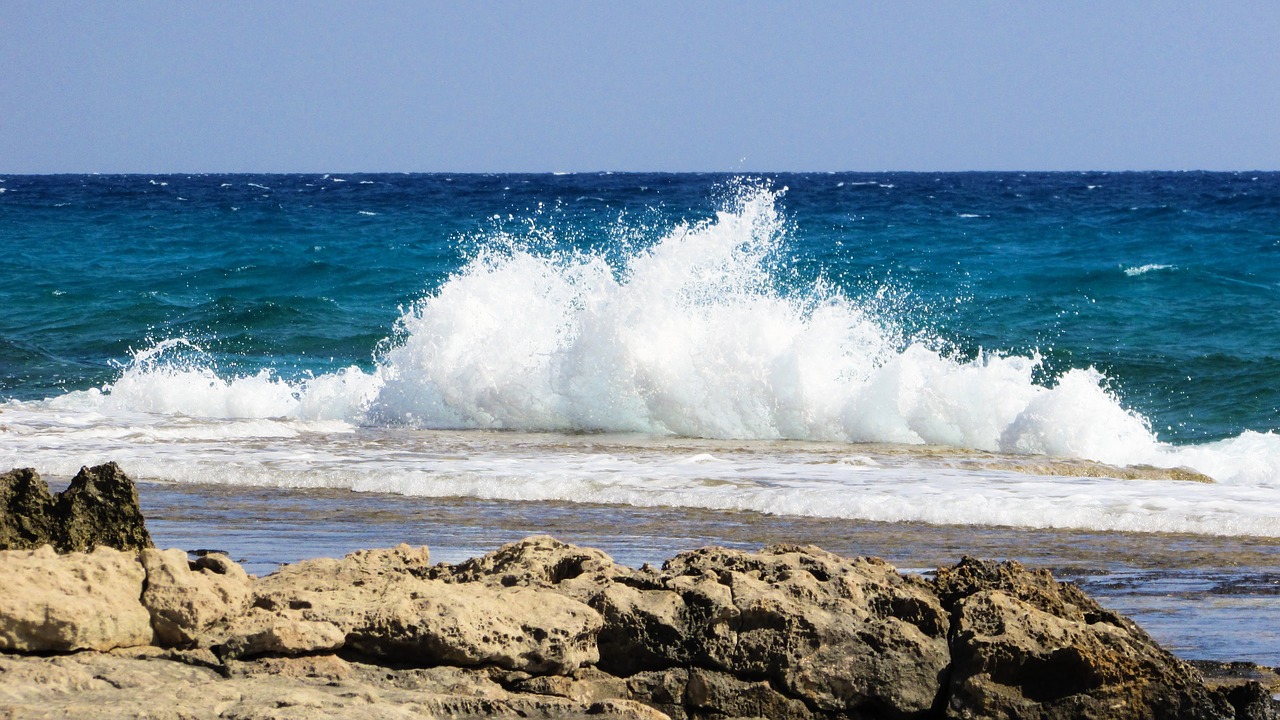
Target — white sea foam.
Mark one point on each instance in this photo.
(691, 337)
(1144, 269)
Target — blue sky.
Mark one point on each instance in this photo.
(586, 86)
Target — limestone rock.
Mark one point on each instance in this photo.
(723, 694)
(662, 689)
(544, 629)
(328, 586)
(26, 510)
(1026, 646)
(540, 561)
(587, 685)
(536, 631)
(112, 686)
(262, 633)
(100, 507)
(52, 603)
(387, 607)
(841, 635)
(185, 598)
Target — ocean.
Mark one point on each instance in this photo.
(1042, 354)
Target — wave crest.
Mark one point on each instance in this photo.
(695, 335)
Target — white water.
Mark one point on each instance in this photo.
(690, 338)
(1144, 269)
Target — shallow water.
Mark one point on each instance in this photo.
(1202, 597)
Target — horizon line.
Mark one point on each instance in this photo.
(638, 172)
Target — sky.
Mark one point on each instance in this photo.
(566, 86)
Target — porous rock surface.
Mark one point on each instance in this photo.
(544, 629)
(99, 508)
(26, 510)
(81, 601)
(185, 598)
(1026, 646)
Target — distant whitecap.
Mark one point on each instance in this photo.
(1144, 269)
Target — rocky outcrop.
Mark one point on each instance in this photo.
(384, 606)
(145, 684)
(1026, 646)
(806, 627)
(541, 628)
(26, 510)
(186, 598)
(81, 601)
(99, 508)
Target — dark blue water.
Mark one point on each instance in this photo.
(1166, 282)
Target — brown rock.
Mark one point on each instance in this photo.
(544, 629)
(100, 507)
(386, 608)
(185, 598)
(587, 685)
(1026, 646)
(842, 636)
(52, 603)
(527, 629)
(263, 633)
(663, 689)
(540, 561)
(26, 510)
(722, 694)
(110, 687)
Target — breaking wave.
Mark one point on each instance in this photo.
(695, 335)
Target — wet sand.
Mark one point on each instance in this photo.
(1203, 597)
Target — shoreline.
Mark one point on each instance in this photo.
(544, 629)
(548, 629)
(1205, 597)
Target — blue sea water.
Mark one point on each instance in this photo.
(777, 343)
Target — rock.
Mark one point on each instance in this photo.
(540, 561)
(333, 586)
(386, 607)
(662, 689)
(111, 686)
(52, 603)
(262, 633)
(26, 510)
(587, 685)
(536, 631)
(840, 635)
(544, 629)
(723, 694)
(1026, 646)
(186, 598)
(1253, 702)
(100, 507)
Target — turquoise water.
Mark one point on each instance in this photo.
(1167, 283)
(324, 329)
